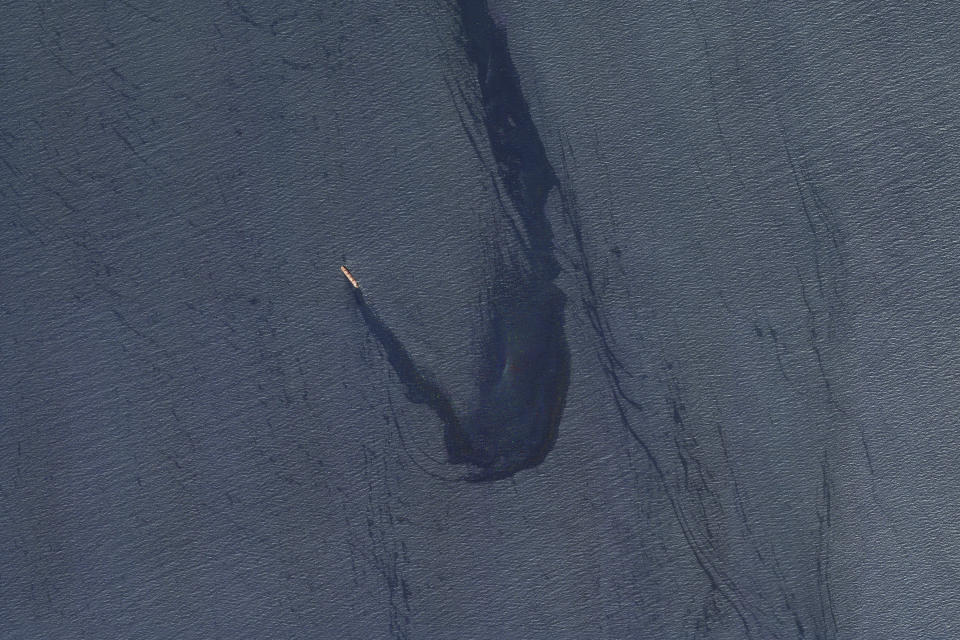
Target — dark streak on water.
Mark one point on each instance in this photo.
(525, 365)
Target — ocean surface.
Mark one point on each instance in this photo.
(657, 332)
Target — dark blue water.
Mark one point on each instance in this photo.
(675, 281)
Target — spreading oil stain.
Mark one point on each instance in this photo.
(525, 362)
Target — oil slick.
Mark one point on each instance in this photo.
(523, 385)
(525, 363)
